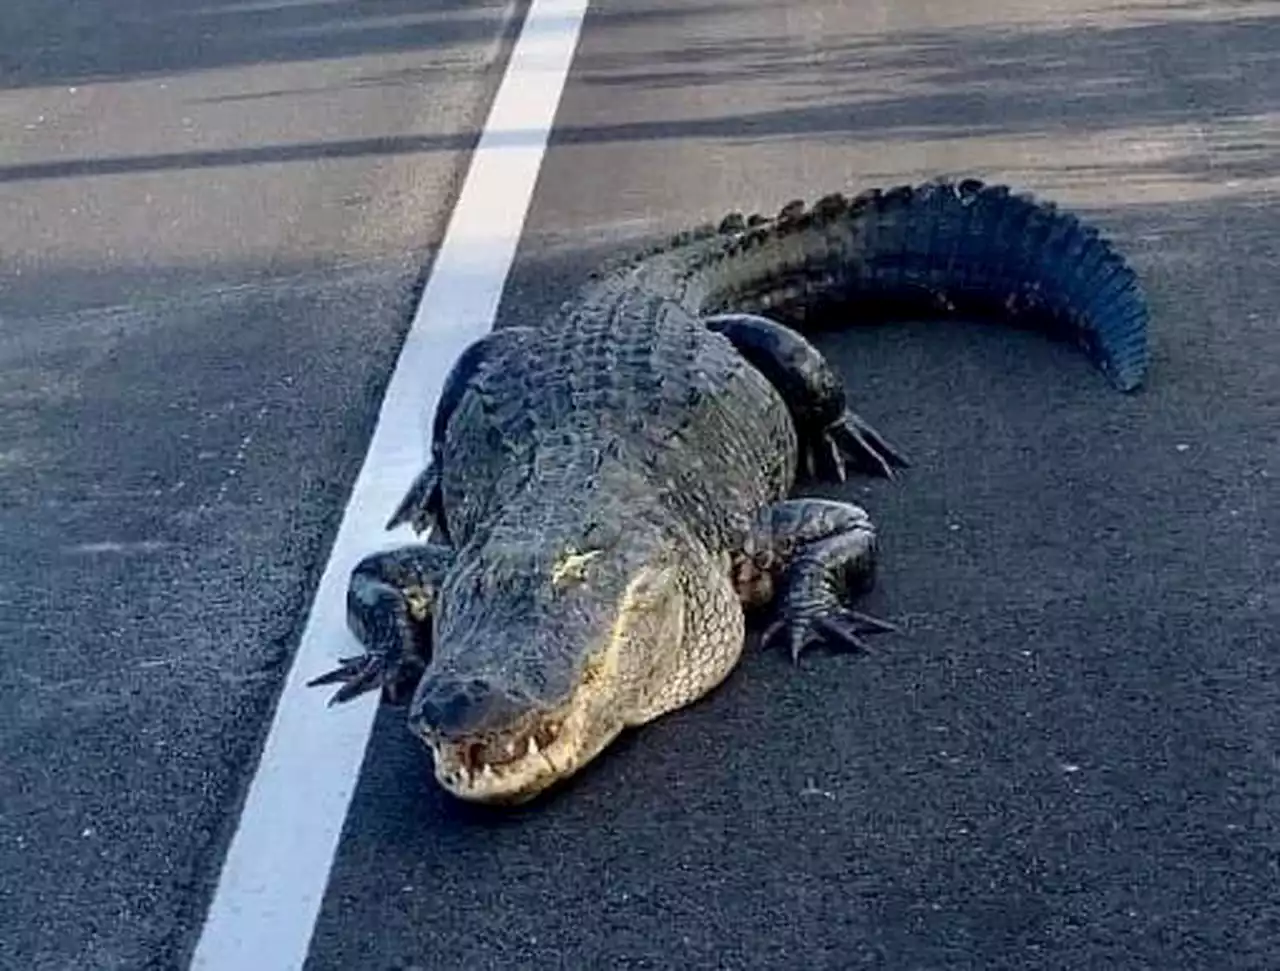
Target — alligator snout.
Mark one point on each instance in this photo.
(455, 709)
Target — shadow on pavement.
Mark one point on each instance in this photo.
(1081, 91)
(73, 42)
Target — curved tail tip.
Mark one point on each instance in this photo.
(1130, 380)
(1124, 361)
(1120, 348)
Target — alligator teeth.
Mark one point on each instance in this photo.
(488, 772)
(533, 745)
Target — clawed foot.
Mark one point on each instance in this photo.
(850, 440)
(390, 599)
(423, 505)
(365, 672)
(838, 627)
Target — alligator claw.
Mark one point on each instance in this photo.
(852, 438)
(872, 624)
(840, 628)
(341, 673)
(367, 672)
(423, 505)
(836, 634)
(358, 675)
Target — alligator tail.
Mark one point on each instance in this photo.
(941, 248)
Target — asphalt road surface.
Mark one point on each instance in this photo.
(1071, 758)
(216, 215)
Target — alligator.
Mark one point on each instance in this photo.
(610, 494)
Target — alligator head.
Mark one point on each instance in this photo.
(540, 660)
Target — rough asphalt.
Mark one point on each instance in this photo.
(213, 230)
(1069, 759)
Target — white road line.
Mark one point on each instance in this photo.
(274, 876)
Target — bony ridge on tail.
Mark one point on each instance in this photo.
(609, 490)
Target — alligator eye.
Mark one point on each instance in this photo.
(600, 535)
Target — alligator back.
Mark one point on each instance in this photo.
(639, 410)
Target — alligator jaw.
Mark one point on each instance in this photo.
(521, 763)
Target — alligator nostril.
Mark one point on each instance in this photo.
(458, 707)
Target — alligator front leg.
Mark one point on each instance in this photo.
(818, 555)
(830, 434)
(390, 598)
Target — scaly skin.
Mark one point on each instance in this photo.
(609, 490)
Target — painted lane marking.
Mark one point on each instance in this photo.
(277, 866)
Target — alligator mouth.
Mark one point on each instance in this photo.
(507, 767)
(518, 763)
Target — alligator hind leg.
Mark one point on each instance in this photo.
(423, 505)
(831, 436)
(390, 597)
(820, 555)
